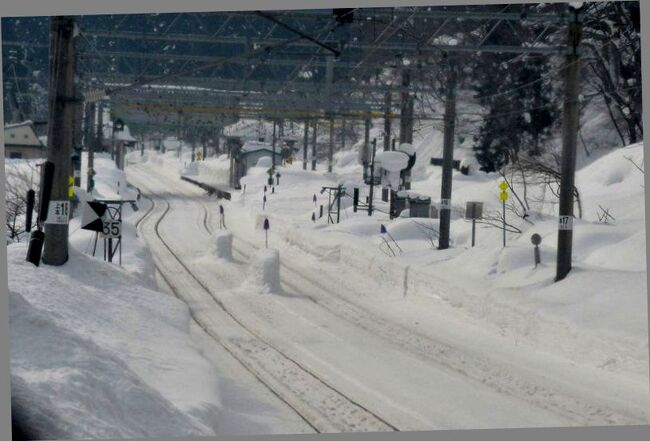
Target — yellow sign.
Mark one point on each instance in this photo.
(503, 185)
(199, 155)
(70, 187)
(503, 196)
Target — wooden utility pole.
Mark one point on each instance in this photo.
(305, 146)
(60, 130)
(447, 160)
(570, 122)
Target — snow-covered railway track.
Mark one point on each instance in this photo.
(320, 405)
(538, 391)
(486, 371)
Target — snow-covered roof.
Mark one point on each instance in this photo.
(20, 124)
(22, 134)
(171, 143)
(124, 135)
(254, 146)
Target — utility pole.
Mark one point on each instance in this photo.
(570, 121)
(96, 146)
(77, 138)
(60, 130)
(406, 119)
(313, 146)
(330, 154)
(273, 141)
(447, 159)
(372, 176)
(387, 121)
(305, 146)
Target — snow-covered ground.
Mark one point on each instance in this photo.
(522, 350)
(363, 331)
(99, 352)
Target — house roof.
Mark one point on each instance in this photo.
(124, 135)
(22, 134)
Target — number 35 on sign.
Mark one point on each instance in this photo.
(112, 229)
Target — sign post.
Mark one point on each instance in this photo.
(473, 211)
(536, 239)
(504, 197)
(266, 231)
(222, 218)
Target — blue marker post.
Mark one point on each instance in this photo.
(266, 231)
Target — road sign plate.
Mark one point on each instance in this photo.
(474, 210)
(503, 196)
(112, 229)
(92, 217)
(503, 185)
(58, 212)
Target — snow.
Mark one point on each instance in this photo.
(264, 161)
(341, 293)
(223, 245)
(123, 359)
(497, 337)
(265, 270)
(391, 161)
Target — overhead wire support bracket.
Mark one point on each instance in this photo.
(336, 52)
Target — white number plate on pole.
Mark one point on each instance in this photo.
(566, 223)
(58, 212)
(112, 229)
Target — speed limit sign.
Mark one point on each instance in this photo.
(112, 229)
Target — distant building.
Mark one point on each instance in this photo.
(246, 156)
(122, 137)
(21, 142)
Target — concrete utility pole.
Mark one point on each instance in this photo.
(313, 146)
(447, 160)
(387, 121)
(570, 122)
(217, 142)
(305, 146)
(406, 119)
(330, 154)
(273, 141)
(77, 138)
(97, 146)
(60, 129)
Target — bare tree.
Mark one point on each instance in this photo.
(18, 181)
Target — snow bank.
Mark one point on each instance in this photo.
(223, 244)
(264, 269)
(118, 357)
(265, 161)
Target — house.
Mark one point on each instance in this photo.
(245, 156)
(21, 142)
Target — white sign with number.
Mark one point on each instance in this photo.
(112, 229)
(58, 212)
(565, 223)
